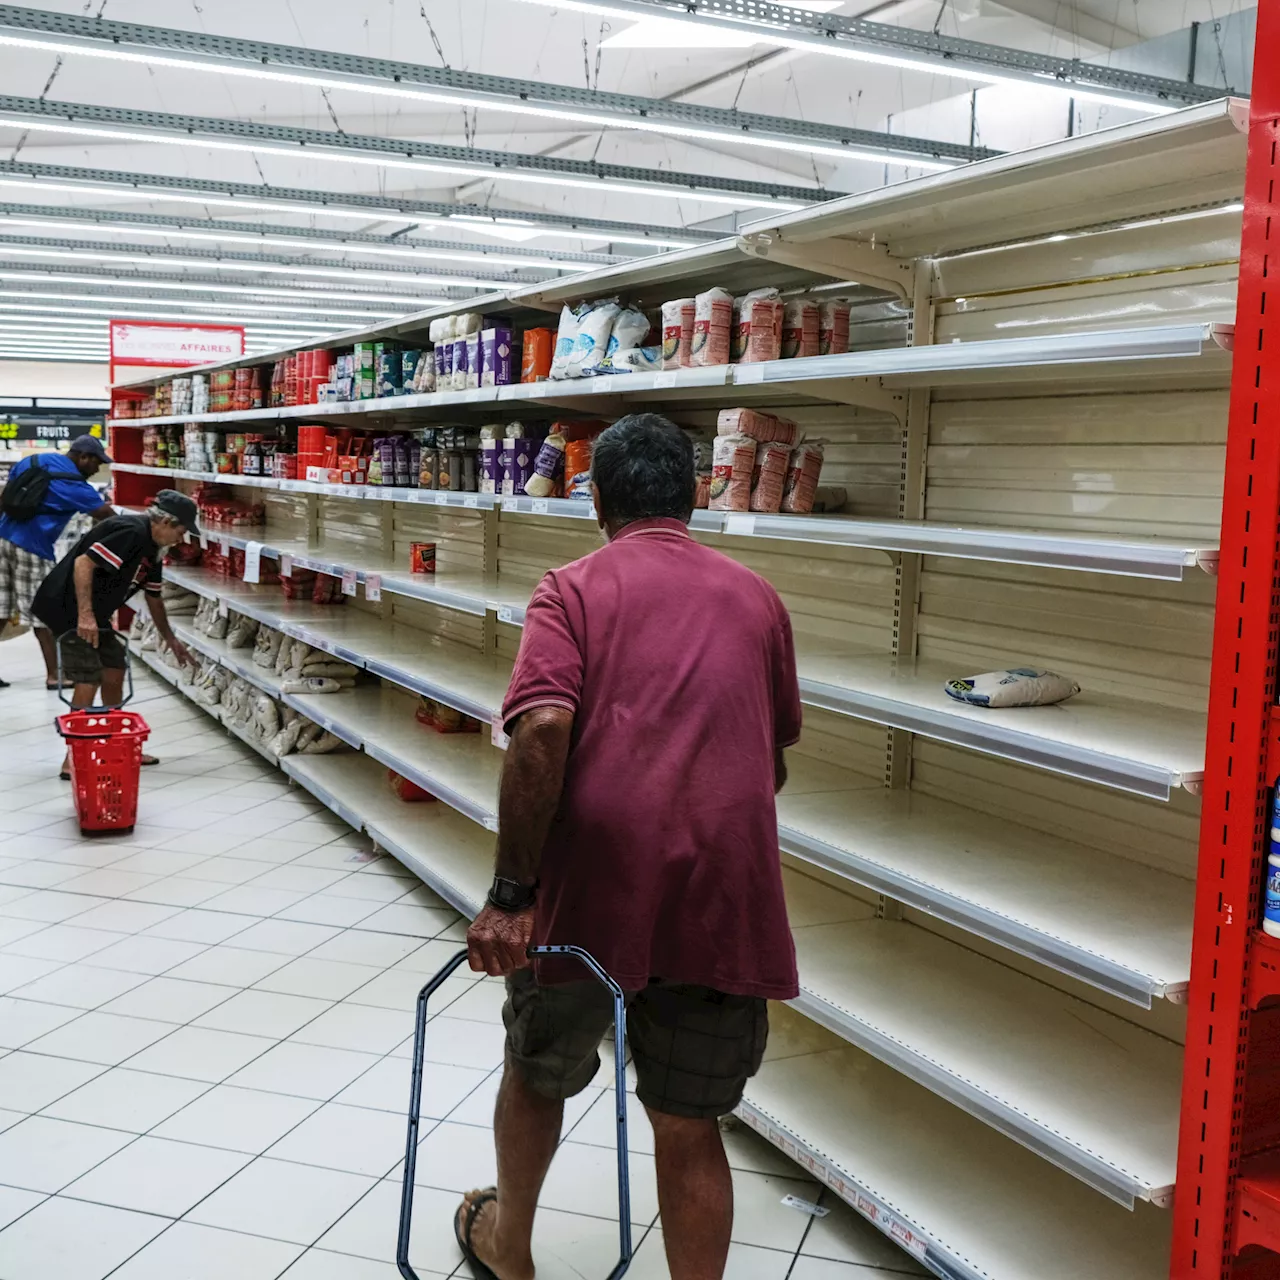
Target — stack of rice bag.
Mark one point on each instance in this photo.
(757, 464)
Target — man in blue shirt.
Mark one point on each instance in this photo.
(27, 546)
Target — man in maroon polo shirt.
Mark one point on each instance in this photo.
(652, 698)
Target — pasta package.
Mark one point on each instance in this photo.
(677, 333)
(733, 461)
(712, 328)
(769, 476)
(803, 470)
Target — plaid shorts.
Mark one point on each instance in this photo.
(21, 573)
(693, 1048)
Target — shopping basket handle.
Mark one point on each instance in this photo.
(620, 1103)
(128, 670)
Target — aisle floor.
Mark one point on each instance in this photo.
(205, 1030)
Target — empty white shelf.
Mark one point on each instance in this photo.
(970, 1204)
(1087, 1090)
(1118, 742)
(445, 850)
(1115, 924)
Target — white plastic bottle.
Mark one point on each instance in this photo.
(1271, 907)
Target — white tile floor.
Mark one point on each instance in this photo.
(199, 1081)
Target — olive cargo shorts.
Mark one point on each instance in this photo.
(693, 1048)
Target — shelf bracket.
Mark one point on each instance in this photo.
(852, 260)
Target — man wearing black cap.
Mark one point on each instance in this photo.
(27, 539)
(99, 574)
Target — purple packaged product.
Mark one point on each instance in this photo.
(495, 357)
(522, 462)
(506, 467)
(401, 463)
(473, 360)
(415, 463)
(489, 473)
(459, 379)
(549, 462)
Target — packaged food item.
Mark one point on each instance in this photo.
(522, 451)
(424, 378)
(536, 349)
(443, 718)
(733, 461)
(1014, 687)
(495, 356)
(490, 437)
(833, 327)
(630, 329)
(769, 476)
(577, 468)
(403, 789)
(441, 329)
(799, 328)
(757, 327)
(592, 342)
(422, 557)
(712, 327)
(677, 332)
(548, 467)
(803, 470)
(466, 323)
(566, 336)
(311, 684)
(472, 378)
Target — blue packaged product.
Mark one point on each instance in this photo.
(1271, 903)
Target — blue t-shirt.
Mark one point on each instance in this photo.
(68, 493)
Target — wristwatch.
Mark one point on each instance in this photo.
(511, 895)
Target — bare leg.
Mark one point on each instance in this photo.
(82, 695)
(44, 638)
(695, 1195)
(526, 1129)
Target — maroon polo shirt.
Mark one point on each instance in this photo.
(679, 668)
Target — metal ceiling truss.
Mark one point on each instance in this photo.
(467, 88)
(299, 291)
(338, 240)
(925, 50)
(469, 162)
(318, 201)
(162, 252)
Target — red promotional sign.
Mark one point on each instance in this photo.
(164, 343)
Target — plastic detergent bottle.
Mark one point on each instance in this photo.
(1271, 905)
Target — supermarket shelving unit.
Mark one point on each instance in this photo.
(1032, 1040)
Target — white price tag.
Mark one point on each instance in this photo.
(504, 613)
(204, 541)
(253, 562)
(226, 546)
(223, 611)
(440, 498)
(539, 506)
(806, 1206)
(500, 738)
(471, 502)
(602, 383)
(661, 381)
(740, 525)
(286, 565)
(373, 586)
(348, 582)
(747, 373)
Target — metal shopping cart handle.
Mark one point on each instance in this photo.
(620, 1103)
(128, 669)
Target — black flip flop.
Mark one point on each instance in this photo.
(64, 775)
(462, 1233)
(148, 763)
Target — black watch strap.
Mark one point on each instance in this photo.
(511, 895)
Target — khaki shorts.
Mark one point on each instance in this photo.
(693, 1048)
(21, 573)
(83, 664)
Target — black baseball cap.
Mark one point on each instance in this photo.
(90, 445)
(179, 506)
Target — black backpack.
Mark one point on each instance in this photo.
(23, 496)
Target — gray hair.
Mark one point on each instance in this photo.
(165, 517)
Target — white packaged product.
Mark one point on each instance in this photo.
(833, 327)
(712, 327)
(769, 476)
(566, 335)
(465, 323)
(630, 329)
(285, 741)
(548, 467)
(803, 471)
(424, 375)
(321, 745)
(592, 342)
(799, 328)
(311, 684)
(1013, 687)
(441, 329)
(242, 632)
(757, 327)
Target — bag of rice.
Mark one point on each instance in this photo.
(591, 344)
(1013, 687)
(322, 744)
(241, 632)
(285, 741)
(757, 327)
(712, 327)
(769, 476)
(311, 684)
(833, 327)
(677, 333)
(803, 471)
(733, 460)
(799, 328)
(566, 335)
(630, 329)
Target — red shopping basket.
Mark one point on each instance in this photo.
(105, 749)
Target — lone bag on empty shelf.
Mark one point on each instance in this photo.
(1013, 687)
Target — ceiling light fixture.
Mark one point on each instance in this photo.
(133, 311)
(475, 172)
(308, 316)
